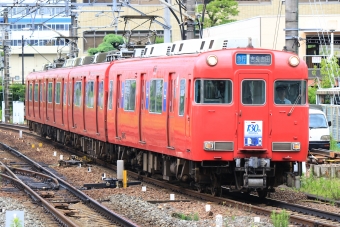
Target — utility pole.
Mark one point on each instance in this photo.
(22, 60)
(73, 32)
(292, 26)
(5, 41)
(190, 34)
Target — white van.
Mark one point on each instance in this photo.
(319, 136)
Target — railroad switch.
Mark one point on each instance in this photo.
(110, 183)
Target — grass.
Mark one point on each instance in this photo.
(280, 219)
(190, 217)
(334, 145)
(325, 187)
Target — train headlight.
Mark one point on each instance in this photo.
(294, 61)
(212, 60)
(296, 146)
(325, 137)
(208, 145)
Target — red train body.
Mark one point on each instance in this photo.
(211, 118)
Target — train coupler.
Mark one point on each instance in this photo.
(254, 181)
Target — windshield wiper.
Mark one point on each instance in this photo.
(293, 107)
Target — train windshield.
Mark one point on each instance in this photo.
(213, 91)
(288, 92)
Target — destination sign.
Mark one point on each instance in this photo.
(253, 59)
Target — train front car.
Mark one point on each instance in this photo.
(249, 118)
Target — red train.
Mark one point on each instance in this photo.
(193, 110)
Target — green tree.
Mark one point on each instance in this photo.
(218, 12)
(312, 94)
(18, 91)
(159, 40)
(110, 42)
(329, 69)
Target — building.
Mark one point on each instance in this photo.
(262, 19)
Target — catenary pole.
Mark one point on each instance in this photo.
(292, 26)
(190, 34)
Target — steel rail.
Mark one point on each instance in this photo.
(61, 218)
(249, 207)
(79, 194)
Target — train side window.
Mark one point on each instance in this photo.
(110, 94)
(156, 96)
(77, 94)
(101, 94)
(181, 97)
(57, 93)
(36, 92)
(89, 94)
(253, 92)
(30, 92)
(213, 91)
(49, 92)
(129, 95)
(64, 97)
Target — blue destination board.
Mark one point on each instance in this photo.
(253, 59)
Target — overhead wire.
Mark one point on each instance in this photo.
(278, 17)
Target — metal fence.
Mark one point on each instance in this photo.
(332, 113)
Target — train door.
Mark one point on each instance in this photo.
(34, 97)
(72, 101)
(63, 94)
(83, 101)
(141, 107)
(98, 95)
(53, 98)
(40, 100)
(187, 113)
(171, 111)
(253, 114)
(49, 99)
(118, 103)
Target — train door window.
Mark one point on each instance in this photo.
(36, 92)
(129, 95)
(89, 94)
(30, 92)
(64, 93)
(50, 92)
(110, 94)
(288, 92)
(213, 91)
(57, 93)
(253, 92)
(156, 96)
(181, 97)
(77, 94)
(41, 92)
(101, 94)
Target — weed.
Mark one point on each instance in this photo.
(190, 217)
(280, 219)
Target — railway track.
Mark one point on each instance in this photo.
(91, 211)
(298, 214)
